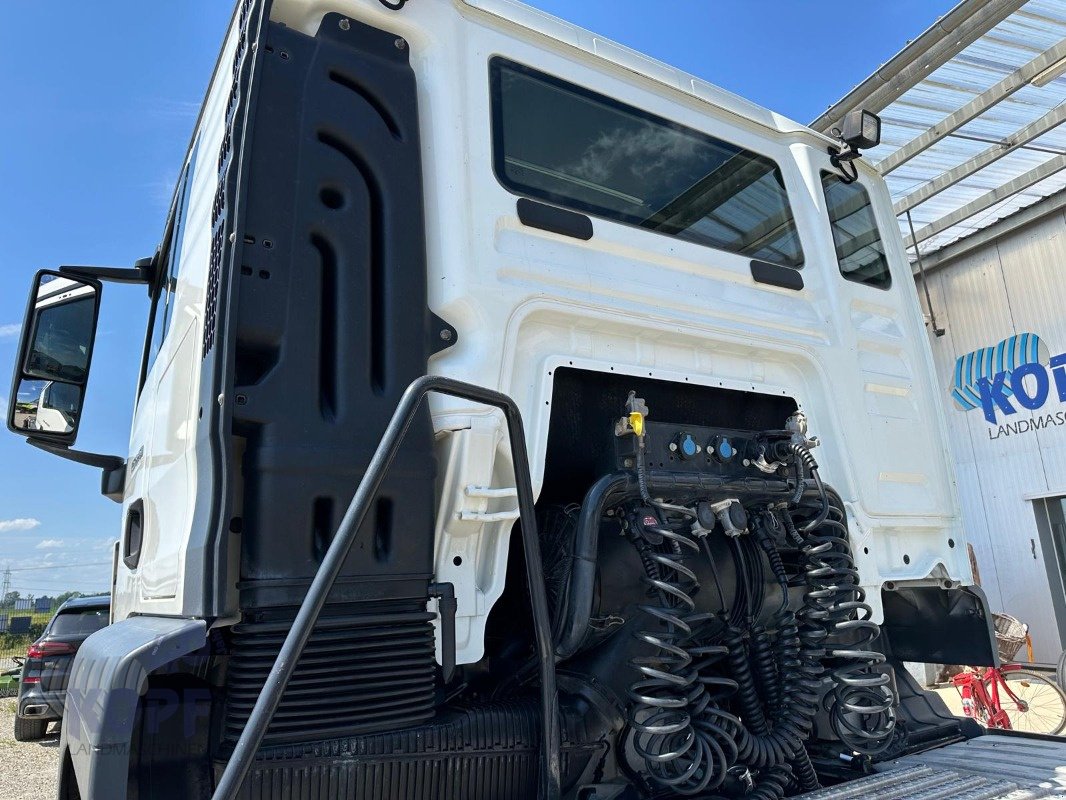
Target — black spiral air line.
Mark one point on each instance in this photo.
(684, 739)
(804, 457)
(771, 784)
(862, 702)
(798, 657)
(778, 680)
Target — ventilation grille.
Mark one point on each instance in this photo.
(359, 674)
(485, 752)
(219, 206)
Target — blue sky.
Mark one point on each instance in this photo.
(100, 101)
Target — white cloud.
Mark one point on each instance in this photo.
(166, 108)
(20, 524)
(9, 330)
(49, 544)
(161, 191)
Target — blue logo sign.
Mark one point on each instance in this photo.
(1013, 375)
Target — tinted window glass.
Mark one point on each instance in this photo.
(83, 621)
(579, 149)
(174, 259)
(163, 307)
(860, 252)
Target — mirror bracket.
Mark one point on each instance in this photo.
(144, 270)
(113, 480)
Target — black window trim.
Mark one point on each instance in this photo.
(881, 287)
(497, 61)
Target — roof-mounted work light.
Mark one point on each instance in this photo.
(860, 130)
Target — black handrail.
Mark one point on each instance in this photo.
(240, 762)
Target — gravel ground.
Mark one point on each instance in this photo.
(28, 770)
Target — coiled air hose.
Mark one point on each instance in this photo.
(777, 683)
(862, 702)
(684, 739)
(777, 670)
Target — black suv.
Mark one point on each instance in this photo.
(43, 685)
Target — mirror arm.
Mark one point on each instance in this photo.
(80, 456)
(144, 270)
(113, 480)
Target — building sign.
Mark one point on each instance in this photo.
(1016, 375)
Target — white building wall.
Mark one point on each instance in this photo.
(1012, 286)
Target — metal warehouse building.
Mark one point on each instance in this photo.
(974, 149)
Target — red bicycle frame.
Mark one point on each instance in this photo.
(980, 695)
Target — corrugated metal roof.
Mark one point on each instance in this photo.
(1009, 155)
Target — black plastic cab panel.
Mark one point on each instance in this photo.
(332, 322)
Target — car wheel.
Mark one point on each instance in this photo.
(29, 730)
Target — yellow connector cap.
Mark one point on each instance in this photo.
(636, 422)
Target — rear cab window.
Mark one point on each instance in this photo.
(567, 145)
(79, 621)
(859, 249)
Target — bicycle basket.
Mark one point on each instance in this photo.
(1010, 636)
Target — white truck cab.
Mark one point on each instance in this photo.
(677, 505)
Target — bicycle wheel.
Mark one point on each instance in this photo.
(1044, 704)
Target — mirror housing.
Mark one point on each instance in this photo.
(55, 354)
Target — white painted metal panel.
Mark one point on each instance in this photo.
(161, 470)
(1011, 287)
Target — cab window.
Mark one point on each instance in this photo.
(860, 251)
(162, 315)
(570, 146)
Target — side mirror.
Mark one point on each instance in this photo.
(55, 352)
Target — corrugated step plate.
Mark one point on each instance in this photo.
(985, 768)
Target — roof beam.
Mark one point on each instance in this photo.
(989, 199)
(944, 39)
(984, 101)
(997, 230)
(945, 180)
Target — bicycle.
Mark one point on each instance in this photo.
(1035, 704)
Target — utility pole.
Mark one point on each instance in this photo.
(7, 584)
